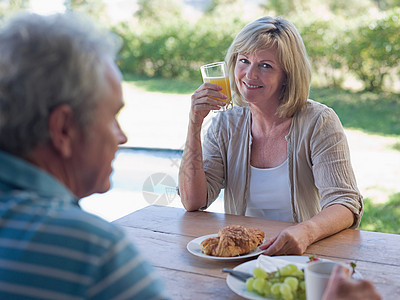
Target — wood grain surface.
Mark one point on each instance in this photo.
(162, 234)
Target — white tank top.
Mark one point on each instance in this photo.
(270, 193)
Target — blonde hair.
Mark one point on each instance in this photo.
(265, 33)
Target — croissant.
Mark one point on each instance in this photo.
(233, 240)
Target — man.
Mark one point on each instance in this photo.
(60, 92)
(342, 287)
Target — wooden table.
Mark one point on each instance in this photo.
(162, 233)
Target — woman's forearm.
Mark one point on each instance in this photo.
(329, 221)
(192, 179)
(295, 239)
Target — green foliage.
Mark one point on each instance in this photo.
(215, 5)
(175, 49)
(163, 44)
(282, 7)
(151, 11)
(372, 112)
(387, 4)
(350, 8)
(367, 49)
(382, 217)
(18, 4)
(158, 51)
(8, 8)
(372, 51)
(321, 38)
(396, 146)
(317, 8)
(94, 8)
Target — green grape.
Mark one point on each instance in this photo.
(249, 283)
(275, 289)
(293, 268)
(288, 296)
(285, 284)
(267, 288)
(298, 273)
(302, 285)
(301, 293)
(259, 273)
(259, 285)
(292, 282)
(285, 289)
(286, 270)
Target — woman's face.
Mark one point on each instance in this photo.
(260, 77)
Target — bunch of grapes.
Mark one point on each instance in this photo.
(287, 283)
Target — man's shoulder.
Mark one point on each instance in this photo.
(87, 223)
(59, 215)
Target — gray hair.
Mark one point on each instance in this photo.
(46, 61)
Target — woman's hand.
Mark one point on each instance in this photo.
(293, 240)
(342, 287)
(202, 101)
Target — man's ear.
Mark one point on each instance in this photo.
(62, 129)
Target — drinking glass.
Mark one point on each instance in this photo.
(217, 73)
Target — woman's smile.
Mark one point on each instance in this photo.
(252, 86)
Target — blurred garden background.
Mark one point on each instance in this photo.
(354, 48)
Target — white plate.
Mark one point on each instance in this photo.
(239, 287)
(194, 247)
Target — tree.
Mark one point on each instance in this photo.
(387, 4)
(350, 8)
(94, 8)
(373, 51)
(8, 7)
(158, 11)
(281, 7)
(215, 4)
(18, 4)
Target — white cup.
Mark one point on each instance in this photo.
(317, 275)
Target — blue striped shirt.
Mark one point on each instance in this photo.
(51, 249)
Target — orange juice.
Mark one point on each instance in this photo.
(222, 82)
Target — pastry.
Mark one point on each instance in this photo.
(232, 241)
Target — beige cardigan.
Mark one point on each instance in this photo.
(320, 172)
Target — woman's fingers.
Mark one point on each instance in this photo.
(268, 243)
(289, 241)
(210, 91)
(206, 98)
(210, 97)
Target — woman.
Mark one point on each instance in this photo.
(277, 154)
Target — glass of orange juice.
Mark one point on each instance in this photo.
(217, 73)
